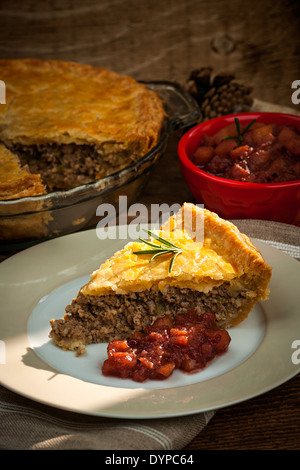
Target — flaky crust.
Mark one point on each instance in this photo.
(252, 273)
(15, 181)
(223, 256)
(66, 102)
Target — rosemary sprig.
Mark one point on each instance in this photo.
(240, 135)
(165, 248)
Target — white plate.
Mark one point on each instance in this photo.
(37, 284)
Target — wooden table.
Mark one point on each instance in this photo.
(268, 422)
(155, 40)
(166, 40)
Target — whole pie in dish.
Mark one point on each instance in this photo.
(73, 124)
(220, 272)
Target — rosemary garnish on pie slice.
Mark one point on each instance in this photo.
(165, 248)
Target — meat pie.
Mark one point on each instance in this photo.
(222, 273)
(73, 124)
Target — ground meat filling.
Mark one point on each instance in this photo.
(94, 319)
(69, 165)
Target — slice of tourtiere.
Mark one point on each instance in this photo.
(17, 181)
(217, 269)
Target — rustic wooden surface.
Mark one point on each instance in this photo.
(268, 422)
(150, 39)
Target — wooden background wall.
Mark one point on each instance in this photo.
(163, 39)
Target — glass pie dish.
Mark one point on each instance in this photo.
(33, 219)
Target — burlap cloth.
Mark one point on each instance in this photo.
(27, 425)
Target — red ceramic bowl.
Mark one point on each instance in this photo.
(234, 199)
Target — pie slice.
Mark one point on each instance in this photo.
(74, 123)
(17, 181)
(220, 272)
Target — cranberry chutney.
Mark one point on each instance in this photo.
(189, 343)
(253, 153)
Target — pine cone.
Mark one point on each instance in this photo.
(220, 95)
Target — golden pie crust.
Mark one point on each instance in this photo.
(219, 272)
(16, 181)
(66, 102)
(223, 256)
